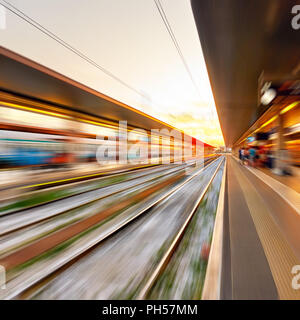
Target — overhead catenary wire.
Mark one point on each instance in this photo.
(59, 40)
(79, 53)
(173, 37)
(176, 44)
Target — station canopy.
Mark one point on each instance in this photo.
(246, 44)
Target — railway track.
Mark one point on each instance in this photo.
(70, 178)
(22, 228)
(81, 197)
(23, 279)
(169, 254)
(32, 199)
(37, 198)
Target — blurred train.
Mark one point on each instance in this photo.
(23, 149)
(32, 137)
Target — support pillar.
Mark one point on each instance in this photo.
(280, 150)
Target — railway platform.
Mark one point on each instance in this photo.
(261, 224)
(291, 181)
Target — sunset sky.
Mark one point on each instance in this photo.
(129, 40)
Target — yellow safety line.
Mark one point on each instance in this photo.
(279, 253)
(76, 178)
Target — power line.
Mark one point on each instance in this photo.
(173, 37)
(53, 36)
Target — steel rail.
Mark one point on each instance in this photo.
(55, 266)
(167, 256)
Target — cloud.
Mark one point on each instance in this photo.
(207, 130)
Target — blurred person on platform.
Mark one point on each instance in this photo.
(257, 159)
(252, 156)
(241, 155)
(245, 156)
(269, 159)
(262, 156)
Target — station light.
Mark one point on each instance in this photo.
(53, 114)
(289, 107)
(49, 113)
(266, 123)
(268, 96)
